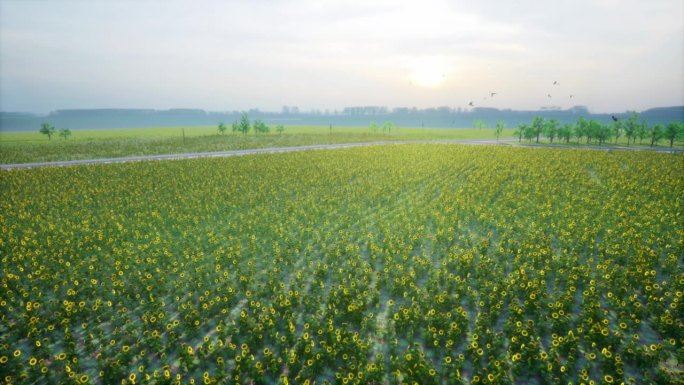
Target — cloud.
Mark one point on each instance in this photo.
(264, 53)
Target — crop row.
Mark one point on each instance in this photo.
(389, 264)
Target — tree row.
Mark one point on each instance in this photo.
(594, 131)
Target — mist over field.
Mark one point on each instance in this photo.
(362, 116)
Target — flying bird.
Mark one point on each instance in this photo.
(471, 104)
(492, 93)
(548, 95)
(614, 118)
(555, 83)
(571, 96)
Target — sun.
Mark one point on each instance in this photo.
(428, 73)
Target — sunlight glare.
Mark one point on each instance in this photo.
(429, 73)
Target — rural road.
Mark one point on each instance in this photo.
(302, 148)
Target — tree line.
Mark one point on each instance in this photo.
(49, 130)
(593, 131)
(244, 126)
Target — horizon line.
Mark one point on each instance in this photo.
(328, 111)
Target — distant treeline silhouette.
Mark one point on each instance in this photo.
(439, 117)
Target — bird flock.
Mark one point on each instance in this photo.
(549, 95)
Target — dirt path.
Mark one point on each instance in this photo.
(314, 147)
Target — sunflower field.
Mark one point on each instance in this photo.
(396, 264)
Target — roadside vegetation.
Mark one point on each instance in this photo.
(412, 263)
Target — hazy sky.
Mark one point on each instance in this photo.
(612, 55)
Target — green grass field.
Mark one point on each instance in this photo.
(394, 264)
(195, 131)
(25, 147)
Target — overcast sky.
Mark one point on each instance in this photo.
(611, 55)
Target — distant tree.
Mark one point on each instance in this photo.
(280, 129)
(244, 125)
(47, 129)
(641, 131)
(222, 128)
(235, 127)
(537, 126)
(674, 131)
(530, 133)
(617, 130)
(590, 130)
(520, 131)
(373, 126)
(550, 129)
(599, 131)
(606, 133)
(565, 132)
(656, 133)
(479, 124)
(630, 127)
(65, 133)
(387, 126)
(260, 127)
(581, 129)
(500, 125)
